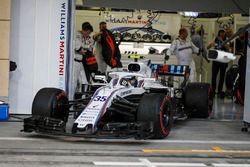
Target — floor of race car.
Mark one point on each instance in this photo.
(215, 142)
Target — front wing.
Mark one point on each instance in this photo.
(57, 127)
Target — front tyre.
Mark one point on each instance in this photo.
(51, 102)
(156, 108)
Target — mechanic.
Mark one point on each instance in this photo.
(83, 44)
(183, 49)
(219, 66)
(197, 39)
(110, 50)
(102, 65)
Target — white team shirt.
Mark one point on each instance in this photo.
(183, 49)
(85, 43)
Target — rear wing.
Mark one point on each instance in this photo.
(170, 70)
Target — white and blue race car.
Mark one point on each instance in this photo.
(131, 104)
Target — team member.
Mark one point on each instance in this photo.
(83, 44)
(197, 39)
(102, 65)
(219, 66)
(110, 50)
(228, 34)
(183, 49)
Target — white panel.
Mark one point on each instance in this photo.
(42, 45)
(22, 51)
(35, 46)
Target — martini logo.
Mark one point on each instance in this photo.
(62, 39)
(62, 32)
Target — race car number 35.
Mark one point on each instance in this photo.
(100, 98)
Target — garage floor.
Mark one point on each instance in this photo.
(217, 141)
(225, 109)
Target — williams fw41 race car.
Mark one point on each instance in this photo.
(131, 104)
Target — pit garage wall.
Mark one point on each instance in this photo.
(39, 47)
(4, 47)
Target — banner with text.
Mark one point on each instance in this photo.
(59, 36)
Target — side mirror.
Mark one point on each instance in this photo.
(100, 79)
(13, 66)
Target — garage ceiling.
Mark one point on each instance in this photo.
(217, 6)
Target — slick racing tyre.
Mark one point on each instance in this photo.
(51, 102)
(156, 108)
(198, 100)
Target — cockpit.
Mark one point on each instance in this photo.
(126, 79)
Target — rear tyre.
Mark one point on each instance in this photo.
(156, 108)
(198, 100)
(51, 102)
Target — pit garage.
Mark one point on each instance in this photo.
(146, 113)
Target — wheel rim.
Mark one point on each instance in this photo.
(165, 116)
(165, 120)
